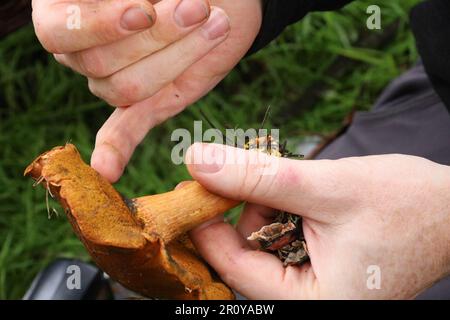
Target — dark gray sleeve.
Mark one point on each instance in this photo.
(430, 22)
(278, 14)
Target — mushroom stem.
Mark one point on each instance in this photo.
(123, 242)
(173, 213)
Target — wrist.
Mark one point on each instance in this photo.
(441, 195)
(447, 208)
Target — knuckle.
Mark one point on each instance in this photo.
(44, 30)
(60, 59)
(112, 90)
(195, 49)
(122, 91)
(126, 92)
(255, 184)
(93, 87)
(156, 38)
(91, 63)
(122, 140)
(104, 32)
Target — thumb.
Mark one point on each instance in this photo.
(317, 189)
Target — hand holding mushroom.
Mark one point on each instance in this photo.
(376, 227)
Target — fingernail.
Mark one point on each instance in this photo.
(136, 18)
(190, 12)
(217, 26)
(208, 158)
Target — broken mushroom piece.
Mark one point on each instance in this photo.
(144, 248)
(285, 237)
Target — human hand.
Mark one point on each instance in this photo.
(389, 211)
(155, 66)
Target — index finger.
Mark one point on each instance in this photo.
(69, 26)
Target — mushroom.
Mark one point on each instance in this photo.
(141, 243)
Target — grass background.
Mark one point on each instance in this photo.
(313, 76)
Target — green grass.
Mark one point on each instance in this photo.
(313, 76)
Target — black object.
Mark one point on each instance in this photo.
(66, 279)
(430, 25)
(13, 15)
